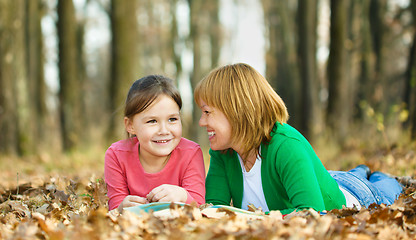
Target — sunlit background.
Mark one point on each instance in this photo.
(345, 70)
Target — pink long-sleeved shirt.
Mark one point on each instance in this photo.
(125, 175)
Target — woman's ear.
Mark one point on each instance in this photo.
(128, 124)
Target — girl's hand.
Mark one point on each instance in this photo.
(131, 201)
(167, 193)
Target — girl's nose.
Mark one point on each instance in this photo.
(163, 128)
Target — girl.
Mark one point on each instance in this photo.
(155, 164)
(257, 158)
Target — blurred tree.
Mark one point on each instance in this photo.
(22, 84)
(366, 60)
(202, 24)
(86, 120)
(378, 10)
(354, 53)
(410, 86)
(175, 39)
(195, 36)
(215, 32)
(282, 68)
(309, 102)
(69, 82)
(12, 74)
(35, 75)
(125, 66)
(154, 32)
(337, 112)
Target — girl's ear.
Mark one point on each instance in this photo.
(129, 125)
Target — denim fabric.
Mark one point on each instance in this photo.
(376, 188)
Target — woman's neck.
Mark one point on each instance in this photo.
(249, 160)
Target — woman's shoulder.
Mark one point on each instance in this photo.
(286, 135)
(285, 131)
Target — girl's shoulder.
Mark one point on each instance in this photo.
(125, 145)
(187, 144)
(187, 151)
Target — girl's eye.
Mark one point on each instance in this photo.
(206, 112)
(173, 119)
(151, 121)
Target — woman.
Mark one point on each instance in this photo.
(256, 157)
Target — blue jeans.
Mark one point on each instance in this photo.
(375, 188)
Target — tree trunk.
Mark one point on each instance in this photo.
(410, 86)
(176, 55)
(365, 77)
(309, 103)
(125, 67)
(215, 35)
(377, 15)
(70, 90)
(11, 68)
(282, 69)
(35, 75)
(195, 6)
(353, 54)
(338, 113)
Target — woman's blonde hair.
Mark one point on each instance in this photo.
(248, 101)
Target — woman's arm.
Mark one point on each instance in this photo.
(296, 171)
(217, 188)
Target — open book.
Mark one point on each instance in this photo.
(167, 209)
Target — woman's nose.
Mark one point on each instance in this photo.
(202, 121)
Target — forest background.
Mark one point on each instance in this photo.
(346, 70)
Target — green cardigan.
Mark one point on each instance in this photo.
(292, 175)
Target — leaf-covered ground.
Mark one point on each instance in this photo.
(76, 208)
(67, 209)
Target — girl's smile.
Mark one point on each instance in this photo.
(158, 129)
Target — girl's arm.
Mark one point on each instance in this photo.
(194, 178)
(115, 179)
(191, 185)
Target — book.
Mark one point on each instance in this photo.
(171, 210)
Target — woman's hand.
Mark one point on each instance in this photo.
(131, 201)
(167, 193)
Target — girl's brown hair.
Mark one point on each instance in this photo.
(248, 101)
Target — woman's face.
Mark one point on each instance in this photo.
(217, 125)
(158, 128)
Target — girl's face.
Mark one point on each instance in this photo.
(218, 127)
(158, 128)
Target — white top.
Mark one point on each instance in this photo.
(253, 188)
(351, 200)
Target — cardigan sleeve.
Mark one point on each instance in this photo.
(295, 168)
(216, 186)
